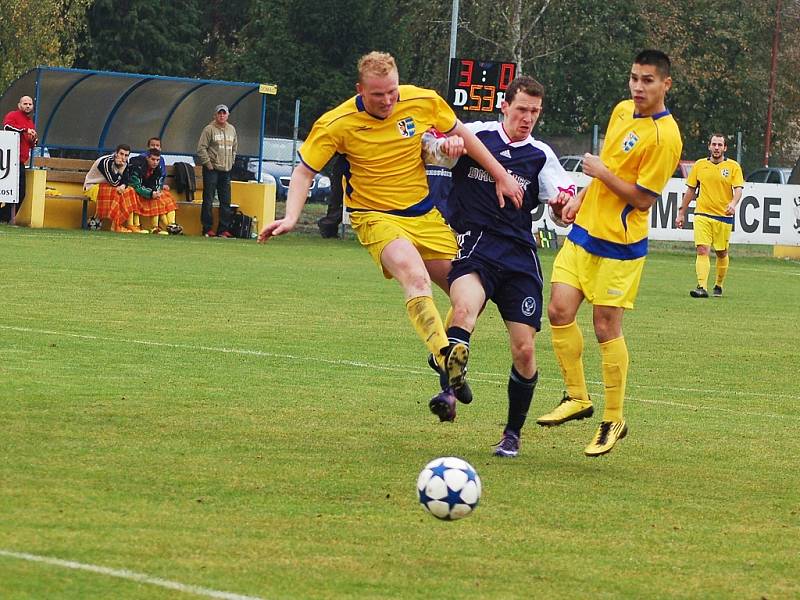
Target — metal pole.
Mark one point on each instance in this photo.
(296, 129)
(772, 75)
(595, 138)
(261, 135)
(453, 37)
(739, 147)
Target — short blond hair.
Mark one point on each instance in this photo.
(377, 64)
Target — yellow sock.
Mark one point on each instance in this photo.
(135, 220)
(428, 324)
(448, 319)
(722, 269)
(130, 220)
(568, 346)
(703, 267)
(166, 219)
(614, 355)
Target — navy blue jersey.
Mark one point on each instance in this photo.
(473, 200)
(440, 182)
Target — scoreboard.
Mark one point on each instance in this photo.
(479, 86)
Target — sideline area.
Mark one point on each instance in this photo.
(129, 108)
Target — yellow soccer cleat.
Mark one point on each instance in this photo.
(608, 434)
(569, 409)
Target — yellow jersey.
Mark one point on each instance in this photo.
(640, 150)
(384, 170)
(714, 184)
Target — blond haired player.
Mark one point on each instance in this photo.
(603, 257)
(379, 132)
(717, 183)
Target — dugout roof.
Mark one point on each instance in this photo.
(79, 109)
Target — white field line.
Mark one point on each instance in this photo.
(484, 377)
(125, 574)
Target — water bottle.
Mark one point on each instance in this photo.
(254, 229)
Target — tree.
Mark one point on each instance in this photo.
(143, 36)
(312, 58)
(38, 32)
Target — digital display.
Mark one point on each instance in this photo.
(477, 85)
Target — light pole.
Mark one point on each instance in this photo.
(772, 75)
(453, 37)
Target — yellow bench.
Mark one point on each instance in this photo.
(62, 203)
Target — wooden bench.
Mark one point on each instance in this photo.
(73, 171)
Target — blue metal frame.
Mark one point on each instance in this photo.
(175, 106)
(196, 84)
(112, 113)
(58, 104)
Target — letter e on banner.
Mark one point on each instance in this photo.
(9, 167)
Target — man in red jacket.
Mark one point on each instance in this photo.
(21, 122)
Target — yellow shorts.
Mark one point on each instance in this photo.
(710, 232)
(603, 281)
(429, 233)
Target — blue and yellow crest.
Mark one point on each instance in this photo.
(726, 172)
(406, 127)
(629, 142)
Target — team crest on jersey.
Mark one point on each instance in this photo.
(407, 127)
(726, 172)
(528, 306)
(629, 142)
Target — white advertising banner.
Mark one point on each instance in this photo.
(768, 213)
(9, 167)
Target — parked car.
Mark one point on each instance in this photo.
(277, 163)
(574, 163)
(770, 175)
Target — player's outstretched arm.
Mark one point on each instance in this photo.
(507, 186)
(566, 206)
(296, 198)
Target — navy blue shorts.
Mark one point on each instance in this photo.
(510, 272)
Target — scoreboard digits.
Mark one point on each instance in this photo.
(479, 86)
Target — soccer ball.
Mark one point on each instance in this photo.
(449, 488)
(94, 224)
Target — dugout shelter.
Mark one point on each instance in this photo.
(79, 110)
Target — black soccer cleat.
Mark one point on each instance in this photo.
(443, 405)
(463, 394)
(699, 292)
(717, 292)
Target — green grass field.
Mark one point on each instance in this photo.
(238, 420)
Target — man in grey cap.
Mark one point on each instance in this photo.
(216, 151)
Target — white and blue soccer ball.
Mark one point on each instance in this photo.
(449, 488)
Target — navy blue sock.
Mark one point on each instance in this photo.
(520, 395)
(456, 335)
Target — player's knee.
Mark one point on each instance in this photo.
(558, 315)
(702, 251)
(523, 355)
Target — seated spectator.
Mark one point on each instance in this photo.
(106, 184)
(153, 143)
(153, 201)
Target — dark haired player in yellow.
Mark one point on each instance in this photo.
(379, 132)
(603, 257)
(717, 182)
